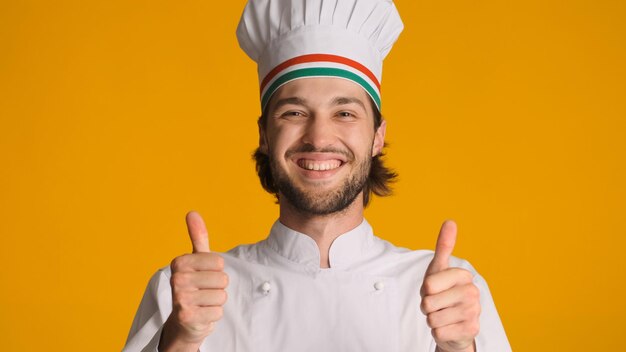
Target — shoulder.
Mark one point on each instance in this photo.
(235, 260)
(415, 261)
(246, 253)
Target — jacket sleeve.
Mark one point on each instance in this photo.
(155, 308)
(492, 337)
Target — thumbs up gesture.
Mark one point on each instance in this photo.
(450, 300)
(198, 292)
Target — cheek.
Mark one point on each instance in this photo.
(360, 142)
(281, 139)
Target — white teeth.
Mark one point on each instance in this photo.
(319, 166)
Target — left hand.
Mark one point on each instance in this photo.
(450, 300)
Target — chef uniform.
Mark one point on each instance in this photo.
(279, 299)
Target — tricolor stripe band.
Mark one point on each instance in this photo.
(319, 65)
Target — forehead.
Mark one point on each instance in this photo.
(320, 91)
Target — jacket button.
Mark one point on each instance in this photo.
(266, 287)
(379, 285)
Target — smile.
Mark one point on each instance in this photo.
(319, 165)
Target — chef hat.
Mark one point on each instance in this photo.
(292, 39)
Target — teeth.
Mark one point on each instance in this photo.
(319, 165)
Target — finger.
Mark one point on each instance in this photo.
(457, 296)
(213, 313)
(199, 317)
(444, 280)
(208, 298)
(448, 316)
(201, 298)
(199, 280)
(198, 262)
(197, 232)
(444, 247)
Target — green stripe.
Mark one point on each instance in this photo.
(317, 72)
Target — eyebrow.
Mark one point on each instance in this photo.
(287, 101)
(348, 100)
(302, 102)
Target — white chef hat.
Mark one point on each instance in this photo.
(292, 39)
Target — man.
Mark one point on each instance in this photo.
(321, 281)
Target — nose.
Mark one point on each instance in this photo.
(318, 132)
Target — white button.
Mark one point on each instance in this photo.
(266, 287)
(379, 285)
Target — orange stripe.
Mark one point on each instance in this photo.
(319, 57)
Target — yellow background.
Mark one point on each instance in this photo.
(117, 117)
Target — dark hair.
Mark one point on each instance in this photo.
(378, 182)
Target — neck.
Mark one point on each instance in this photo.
(323, 229)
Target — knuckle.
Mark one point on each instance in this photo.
(179, 300)
(181, 263)
(223, 298)
(427, 287)
(430, 320)
(423, 308)
(427, 304)
(218, 261)
(467, 275)
(224, 279)
(473, 292)
(176, 264)
(437, 334)
(422, 291)
(185, 316)
(185, 299)
(178, 280)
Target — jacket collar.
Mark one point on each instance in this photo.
(346, 250)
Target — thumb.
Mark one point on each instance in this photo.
(197, 232)
(444, 247)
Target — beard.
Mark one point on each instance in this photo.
(322, 202)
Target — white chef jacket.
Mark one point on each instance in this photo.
(279, 299)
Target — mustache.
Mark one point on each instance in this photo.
(309, 148)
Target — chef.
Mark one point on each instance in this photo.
(321, 280)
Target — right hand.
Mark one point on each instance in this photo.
(198, 292)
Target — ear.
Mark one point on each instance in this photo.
(379, 139)
(262, 138)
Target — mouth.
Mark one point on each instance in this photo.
(319, 165)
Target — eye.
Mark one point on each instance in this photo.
(346, 115)
(292, 113)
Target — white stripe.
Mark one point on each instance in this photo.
(321, 64)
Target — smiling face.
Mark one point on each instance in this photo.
(320, 139)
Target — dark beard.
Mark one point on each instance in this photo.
(333, 202)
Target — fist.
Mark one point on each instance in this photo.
(450, 300)
(198, 291)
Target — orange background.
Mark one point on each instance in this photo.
(117, 117)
